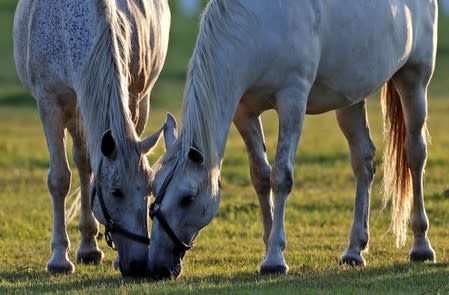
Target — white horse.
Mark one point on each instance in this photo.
(297, 57)
(91, 66)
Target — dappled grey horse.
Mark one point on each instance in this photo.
(297, 57)
(91, 66)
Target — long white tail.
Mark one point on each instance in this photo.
(397, 181)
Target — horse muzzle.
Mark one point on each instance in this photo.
(164, 272)
(135, 268)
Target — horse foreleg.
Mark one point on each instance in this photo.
(413, 98)
(354, 125)
(88, 251)
(59, 179)
(250, 128)
(291, 108)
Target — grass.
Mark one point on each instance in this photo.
(226, 258)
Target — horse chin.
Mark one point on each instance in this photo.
(164, 272)
(165, 263)
(133, 258)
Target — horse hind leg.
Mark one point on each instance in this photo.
(88, 252)
(411, 84)
(354, 125)
(59, 179)
(250, 128)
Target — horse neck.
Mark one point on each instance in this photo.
(219, 71)
(224, 99)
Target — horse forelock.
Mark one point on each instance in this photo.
(104, 97)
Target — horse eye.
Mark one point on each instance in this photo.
(116, 192)
(187, 200)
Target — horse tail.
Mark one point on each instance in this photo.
(74, 199)
(397, 182)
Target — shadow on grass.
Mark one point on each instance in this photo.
(393, 279)
(18, 99)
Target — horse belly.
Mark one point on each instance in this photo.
(323, 99)
(362, 46)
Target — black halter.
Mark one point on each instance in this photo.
(111, 226)
(155, 212)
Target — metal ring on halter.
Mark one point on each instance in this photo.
(111, 226)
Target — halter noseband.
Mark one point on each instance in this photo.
(155, 212)
(111, 226)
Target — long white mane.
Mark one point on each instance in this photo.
(104, 98)
(201, 104)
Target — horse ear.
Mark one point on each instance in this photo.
(108, 144)
(195, 156)
(170, 131)
(148, 143)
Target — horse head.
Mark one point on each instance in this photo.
(185, 203)
(119, 200)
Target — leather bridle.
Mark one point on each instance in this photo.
(111, 226)
(155, 212)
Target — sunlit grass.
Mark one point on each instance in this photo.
(226, 258)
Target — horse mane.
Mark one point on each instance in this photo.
(221, 24)
(104, 99)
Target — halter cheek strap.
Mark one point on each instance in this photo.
(155, 212)
(111, 226)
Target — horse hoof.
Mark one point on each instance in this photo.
(89, 257)
(422, 255)
(60, 268)
(273, 269)
(352, 260)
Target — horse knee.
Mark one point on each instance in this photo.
(416, 150)
(365, 165)
(368, 169)
(59, 182)
(260, 177)
(282, 179)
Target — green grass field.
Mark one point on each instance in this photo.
(226, 258)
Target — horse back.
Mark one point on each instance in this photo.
(365, 43)
(53, 39)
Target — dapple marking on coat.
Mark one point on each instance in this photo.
(91, 66)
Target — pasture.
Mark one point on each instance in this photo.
(227, 254)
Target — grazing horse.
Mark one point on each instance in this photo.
(297, 57)
(91, 66)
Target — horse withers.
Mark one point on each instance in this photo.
(298, 57)
(91, 66)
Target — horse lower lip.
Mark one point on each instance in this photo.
(136, 268)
